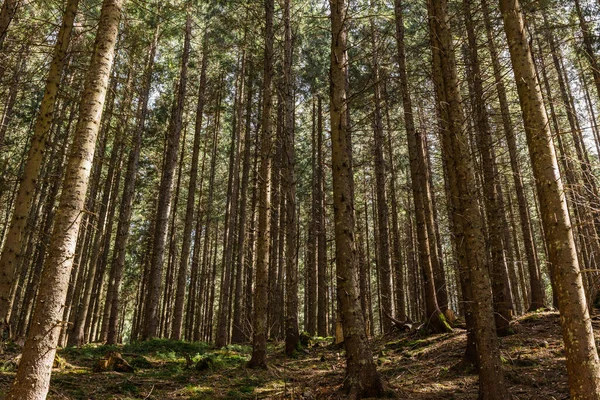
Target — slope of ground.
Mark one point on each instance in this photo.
(414, 367)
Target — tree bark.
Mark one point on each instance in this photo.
(467, 222)
(419, 184)
(583, 365)
(111, 312)
(11, 250)
(259, 339)
(7, 13)
(163, 209)
(362, 378)
(289, 161)
(33, 376)
(189, 211)
(491, 197)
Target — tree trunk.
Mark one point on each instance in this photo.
(33, 376)
(238, 335)
(189, 211)
(583, 365)
(321, 232)
(259, 340)
(7, 13)
(535, 282)
(11, 249)
(163, 209)
(311, 247)
(467, 223)
(419, 184)
(362, 378)
(289, 161)
(383, 255)
(111, 311)
(484, 140)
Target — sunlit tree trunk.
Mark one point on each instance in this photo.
(33, 376)
(491, 197)
(11, 249)
(468, 227)
(583, 365)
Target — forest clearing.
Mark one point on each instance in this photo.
(415, 367)
(301, 199)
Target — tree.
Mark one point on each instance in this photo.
(111, 312)
(7, 13)
(163, 209)
(189, 211)
(259, 339)
(467, 224)
(419, 184)
(33, 376)
(362, 378)
(583, 365)
(291, 266)
(11, 249)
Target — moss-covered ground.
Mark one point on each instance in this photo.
(414, 366)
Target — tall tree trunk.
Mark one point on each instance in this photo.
(189, 211)
(321, 231)
(231, 213)
(289, 161)
(111, 317)
(467, 222)
(238, 335)
(7, 13)
(583, 365)
(259, 340)
(397, 262)
(383, 255)
(535, 281)
(11, 250)
(362, 378)
(33, 376)
(588, 46)
(419, 184)
(163, 209)
(484, 140)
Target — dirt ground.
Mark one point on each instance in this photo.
(414, 368)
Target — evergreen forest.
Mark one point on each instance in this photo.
(300, 199)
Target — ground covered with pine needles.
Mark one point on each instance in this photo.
(415, 367)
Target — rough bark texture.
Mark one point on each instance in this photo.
(289, 161)
(468, 227)
(163, 209)
(535, 281)
(383, 255)
(189, 211)
(583, 365)
(491, 197)
(419, 184)
(322, 301)
(7, 13)
(11, 249)
(33, 377)
(259, 339)
(111, 314)
(362, 378)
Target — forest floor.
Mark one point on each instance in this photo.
(414, 367)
